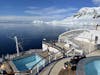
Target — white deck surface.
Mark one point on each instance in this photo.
(89, 36)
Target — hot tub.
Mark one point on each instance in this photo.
(89, 66)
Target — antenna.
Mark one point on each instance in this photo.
(20, 46)
(17, 47)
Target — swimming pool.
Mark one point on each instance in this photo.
(26, 63)
(93, 68)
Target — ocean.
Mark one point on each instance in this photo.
(29, 36)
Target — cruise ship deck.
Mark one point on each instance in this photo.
(56, 53)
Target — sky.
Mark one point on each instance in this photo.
(42, 9)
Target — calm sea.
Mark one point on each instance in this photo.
(29, 36)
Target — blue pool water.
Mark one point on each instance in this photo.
(93, 68)
(26, 63)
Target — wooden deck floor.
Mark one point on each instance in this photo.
(67, 72)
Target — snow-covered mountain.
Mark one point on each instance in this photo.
(86, 12)
(85, 16)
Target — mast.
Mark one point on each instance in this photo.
(17, 48)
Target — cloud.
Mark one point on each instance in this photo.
(41, 15)
(50, 11)
(97, 2)
(44, 14)
(30, 18)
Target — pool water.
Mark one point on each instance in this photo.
(93, 68)
(26, 63)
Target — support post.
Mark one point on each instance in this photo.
(49, 59)
(37, 69)
(43, 63)
(17, 48)
(55, 57)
